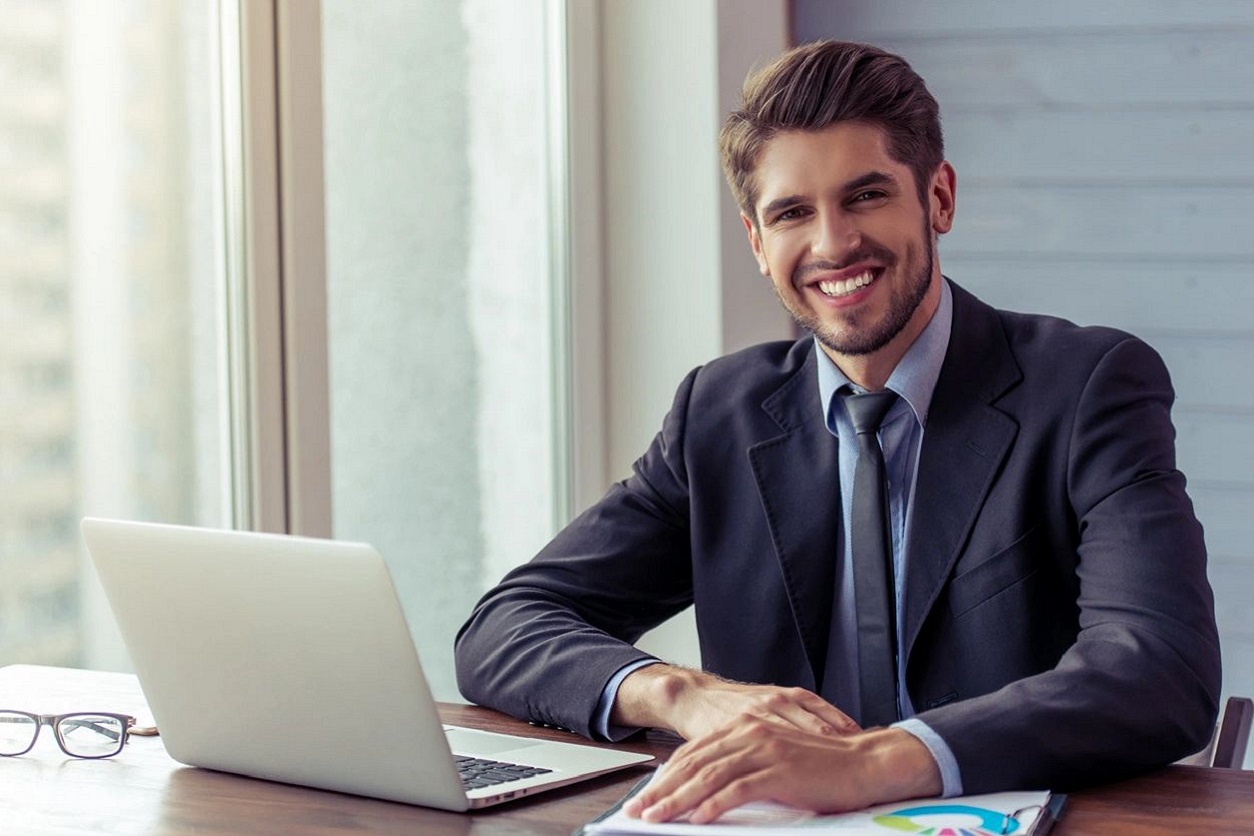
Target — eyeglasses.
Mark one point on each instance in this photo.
(95, 734)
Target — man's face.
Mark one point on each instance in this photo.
(844, 238)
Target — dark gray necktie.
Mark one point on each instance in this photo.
(873, 563)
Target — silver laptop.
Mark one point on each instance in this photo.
(289, 659)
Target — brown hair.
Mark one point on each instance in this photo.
(815, 86)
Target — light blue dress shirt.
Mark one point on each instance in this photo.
(901, 438)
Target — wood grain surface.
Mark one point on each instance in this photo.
(144, 791)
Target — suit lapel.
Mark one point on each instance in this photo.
(964, 443)
(799, 485)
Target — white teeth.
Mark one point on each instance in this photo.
(842, 288)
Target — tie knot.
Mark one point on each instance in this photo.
(867, 411)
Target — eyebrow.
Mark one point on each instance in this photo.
(871, 178)
(780, 204)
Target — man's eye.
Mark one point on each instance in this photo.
(869, 194)
(789, 214)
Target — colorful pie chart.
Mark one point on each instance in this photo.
(948, 820)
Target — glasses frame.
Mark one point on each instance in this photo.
(55, 720)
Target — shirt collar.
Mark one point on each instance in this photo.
(916, 374)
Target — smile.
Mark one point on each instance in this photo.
(847, 286)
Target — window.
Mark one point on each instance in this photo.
(158, 262)
(110, 276)
(443, 403)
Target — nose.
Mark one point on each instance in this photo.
(836, 236)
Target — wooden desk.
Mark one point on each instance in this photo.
(144, 791)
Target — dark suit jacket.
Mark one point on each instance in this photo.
(1058, 624)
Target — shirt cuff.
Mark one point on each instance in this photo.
(951, 777)
(601, 719)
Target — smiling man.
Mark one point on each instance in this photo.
(996, 582)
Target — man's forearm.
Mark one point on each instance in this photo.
(647, 698)
(900, 765)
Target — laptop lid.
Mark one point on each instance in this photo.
(289, 659)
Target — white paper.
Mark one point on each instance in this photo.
(972, 815)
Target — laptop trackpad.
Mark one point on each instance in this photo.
(470, 742)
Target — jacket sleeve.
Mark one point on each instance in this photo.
(543, 644)
(1139, 688)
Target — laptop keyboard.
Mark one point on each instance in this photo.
(479, 772)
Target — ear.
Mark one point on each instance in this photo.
(755, 243)
(943, 192)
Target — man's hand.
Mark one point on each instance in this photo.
(756, 759)
(693, 704)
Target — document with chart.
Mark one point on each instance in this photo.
(1017, 813)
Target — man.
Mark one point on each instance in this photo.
(1049, 621)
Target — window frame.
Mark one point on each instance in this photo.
(278, 353)
(277, 346)
(286, 480)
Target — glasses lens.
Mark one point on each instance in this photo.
(17, 733)
(91, 735)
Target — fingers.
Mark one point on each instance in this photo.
(702, 804)
(803, 710)
(734, 794)
(707, 778)
(695, 774)
(812, 713)
(695, 703)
